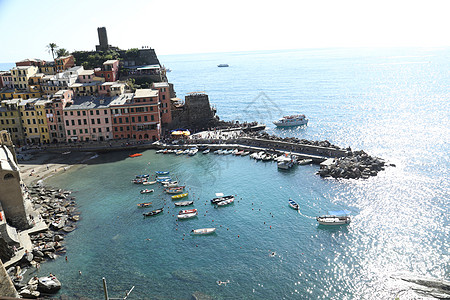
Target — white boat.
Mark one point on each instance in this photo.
(179, 152)
(193, 151)
(285, 164)
(226, 201)
(335, 218)
(304, 161)
(149, 182)
(223, 65)
(184, 203)
(203, 231)
(206, 151)
(187, 216)
(294, 120)
(146, 191)
(170, 184)
(186, 151)
(235, 151)
(245, 153)
(293, 204)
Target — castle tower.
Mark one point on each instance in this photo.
(11, 198)
(102, 39)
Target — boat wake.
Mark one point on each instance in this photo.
(309, 217)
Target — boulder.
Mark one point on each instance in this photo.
(27, 294)
(49, 284)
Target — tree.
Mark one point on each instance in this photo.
(62, 52)
(51, 48)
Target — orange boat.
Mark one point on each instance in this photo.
(135, 155)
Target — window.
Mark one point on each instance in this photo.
(92, 121)
(97, 112)
(78, 113)
(120, 120)
(139, 119)
(107, 129)
(105, 112)
(152, 117)
(68, 132)
(106, 120)
(93, 130)
(151, 108)
(126, 119)
(91, 112)
(71, 113)
(98, 121)
(79, 122)
(86, 131)
(73, 122)
(74, 132)
(85, 121)
(132, 120)
(99, 129)
(84, 112)
(81, 131)
(145, 118)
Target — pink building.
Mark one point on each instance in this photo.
(54, 110)
(109, 70)
(164, 100)
(86, 76)
(111, 89)
(88, 119)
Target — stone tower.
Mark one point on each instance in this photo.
(11, 197)
(102, 39)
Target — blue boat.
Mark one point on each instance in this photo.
(143, 176)
(162, 172)
(293, 204)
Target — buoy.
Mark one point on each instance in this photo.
(238, 235)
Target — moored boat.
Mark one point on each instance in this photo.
(335, 218)
(187, 211)
(146, 191)
(170, 184)
(143, 176)
(174, 190)
(206, 151)
(203, 231)
(149, 182)
(223, 65)
(180, 196)
(222, 198)
(184, 203)
(145, 204)
(293, 204)
(153, 212)
(225, 202)
(187, 216)
(304, 161)
(139, 180)
(294, 120)
(162, 172)
(135, 155)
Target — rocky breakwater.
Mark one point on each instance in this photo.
(57, 208)
(357, 164)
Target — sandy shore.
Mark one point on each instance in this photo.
(43, 165)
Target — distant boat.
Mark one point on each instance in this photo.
(294, 120)
(161, 172)
(223, 65)
(335, 218)
(203, 231)
(145, 204)
(305, 161)
(187, 216)
(149, 182)
(285, 164)
(222, 198)
(143, 176)
(168, 184)
(187, 211)
(135, 155)
(184, 203)
(139, 180)
(146, 191)
(206, 151)
(180, 196)
(153, 212)
(293, 204)
(226, 201)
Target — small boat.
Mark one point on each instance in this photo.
(245, 153)
(146, 191)
(304, 161)
(145, 204)
(179, 152)
(223, 65)
(162, 172)
(143, 176)
(149, 182)
(153, 212)
(203, 231)
(234, 151)
(135, 155)
(221, 198)
(187, 216)
(335, 218)
(139, 180)
(225, 202)
(186, 151)
(160, 151)
(174, 190)
(239, 153)
(187, 211)
(180, 196)
(168, 184)
(294, 120)
(193, 151)
(293, 204)
(285, 164)
(206, 151)
(184, 203)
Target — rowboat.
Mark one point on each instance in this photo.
(174, 190)
(203, 231)
(145, 204)
(187, 211)
(293, 204)
(184, 203)
(135, 155)
(146, 191)
(139, 180)
(149, 182)
(163, 179)
(180, 196)
(221, 198)
(170, 183)
(206, 151)
(187, 216)
(304, 161)
(225, 202)
(153, 212)
(143, 176)
(335, 218)
(162, 172)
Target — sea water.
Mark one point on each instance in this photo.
(392, 103)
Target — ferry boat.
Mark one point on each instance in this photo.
(294, 120)
(335, 218)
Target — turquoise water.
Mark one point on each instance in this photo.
(392, 103)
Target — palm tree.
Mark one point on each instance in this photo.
(51, 48)
(62, 52)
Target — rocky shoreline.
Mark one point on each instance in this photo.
(57, 208)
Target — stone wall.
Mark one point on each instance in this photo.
(6, 286)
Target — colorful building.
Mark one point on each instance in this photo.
(111, 89)
(34, 121)
(21, 75)
(136, 116)
(109, 70)
(6, 80)
(88, 119)
(165, 101)
(10, 120)
(54, 109)
(64, 62)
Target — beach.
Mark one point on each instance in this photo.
(43, 165)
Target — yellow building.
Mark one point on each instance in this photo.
(7, 94)
(34, 121)
(10, 119)
(85, 89)
(48, 69)
(21, 75)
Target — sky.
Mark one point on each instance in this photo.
(198, 26)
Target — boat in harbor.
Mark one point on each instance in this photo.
(139, 180)
(294, 120)
(187, 216)
(180, 196)
(305, 161)
(335, 218)
(162, 172)
(223, 65)
(222, 198)
(153, 212)
(149, 182)
(187, 211)
(293, 204)
(184, 203)
(135, 155)
(146, 191)
(145, 204)
(168, 184)
(143, 176)
(203, 231)
(206, 151)
(225, 202)
(175, 190)
(285, 164)
(192, 151)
